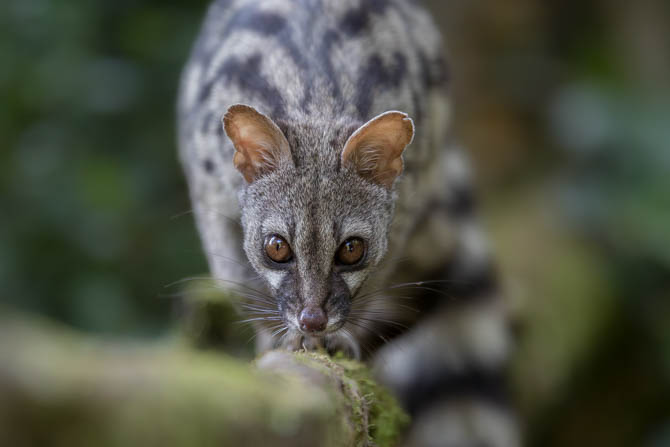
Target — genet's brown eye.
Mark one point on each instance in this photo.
(351, 251)
(277, 248)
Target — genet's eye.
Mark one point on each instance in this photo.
(351, 251)
(277, 248)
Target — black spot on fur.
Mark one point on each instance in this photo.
(432, 384)
(271, 25)
(462, 287)
(208, 123)
(418, 106)
(263, 23)
(208, 166)
(251, 19)
(266, 24)
(433, 72)
(377, 74)
(358, 19)
(330, 38)
(466, 285)
(246, 74)
(205, 90)
(354, 22)
(461, 203)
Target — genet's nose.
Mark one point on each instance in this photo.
(312, 319)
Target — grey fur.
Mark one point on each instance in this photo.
(320, 69)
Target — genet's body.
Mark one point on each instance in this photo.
(362, 242)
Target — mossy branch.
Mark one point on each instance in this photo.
(60, 388)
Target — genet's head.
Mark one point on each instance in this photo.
(316, 209)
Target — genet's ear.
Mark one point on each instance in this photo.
(259, 144)
(375, 149)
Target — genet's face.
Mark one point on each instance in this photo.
(316, 210)
(315, 239)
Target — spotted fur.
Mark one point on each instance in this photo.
(320, 69)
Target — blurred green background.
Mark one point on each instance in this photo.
(565, 107)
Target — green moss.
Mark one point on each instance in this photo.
(386, 419)
(376, 416)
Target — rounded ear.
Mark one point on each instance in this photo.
(375, 149)
(259, 143)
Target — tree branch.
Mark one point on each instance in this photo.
(60, 388)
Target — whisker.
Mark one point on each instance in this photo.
(252, 307)
(421, 283)
(187, 279)
(382, 320)
(208, 210)
(260, 313)
(257, 294)
(379, 292)
(192, 292)
(249, 320)
(214, 279)
(438, 291)
(413, 283)
(252, 337)
(352, 342)
(279, 331)
(392, 306)
(181, 214)
(282, 337)
(411, 286)
(245, 295)
(236, 261)
(255, 299)
(240, 284)
(369, 296)
(364, 326)
(256, 332)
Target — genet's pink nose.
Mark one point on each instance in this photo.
(312, 319)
